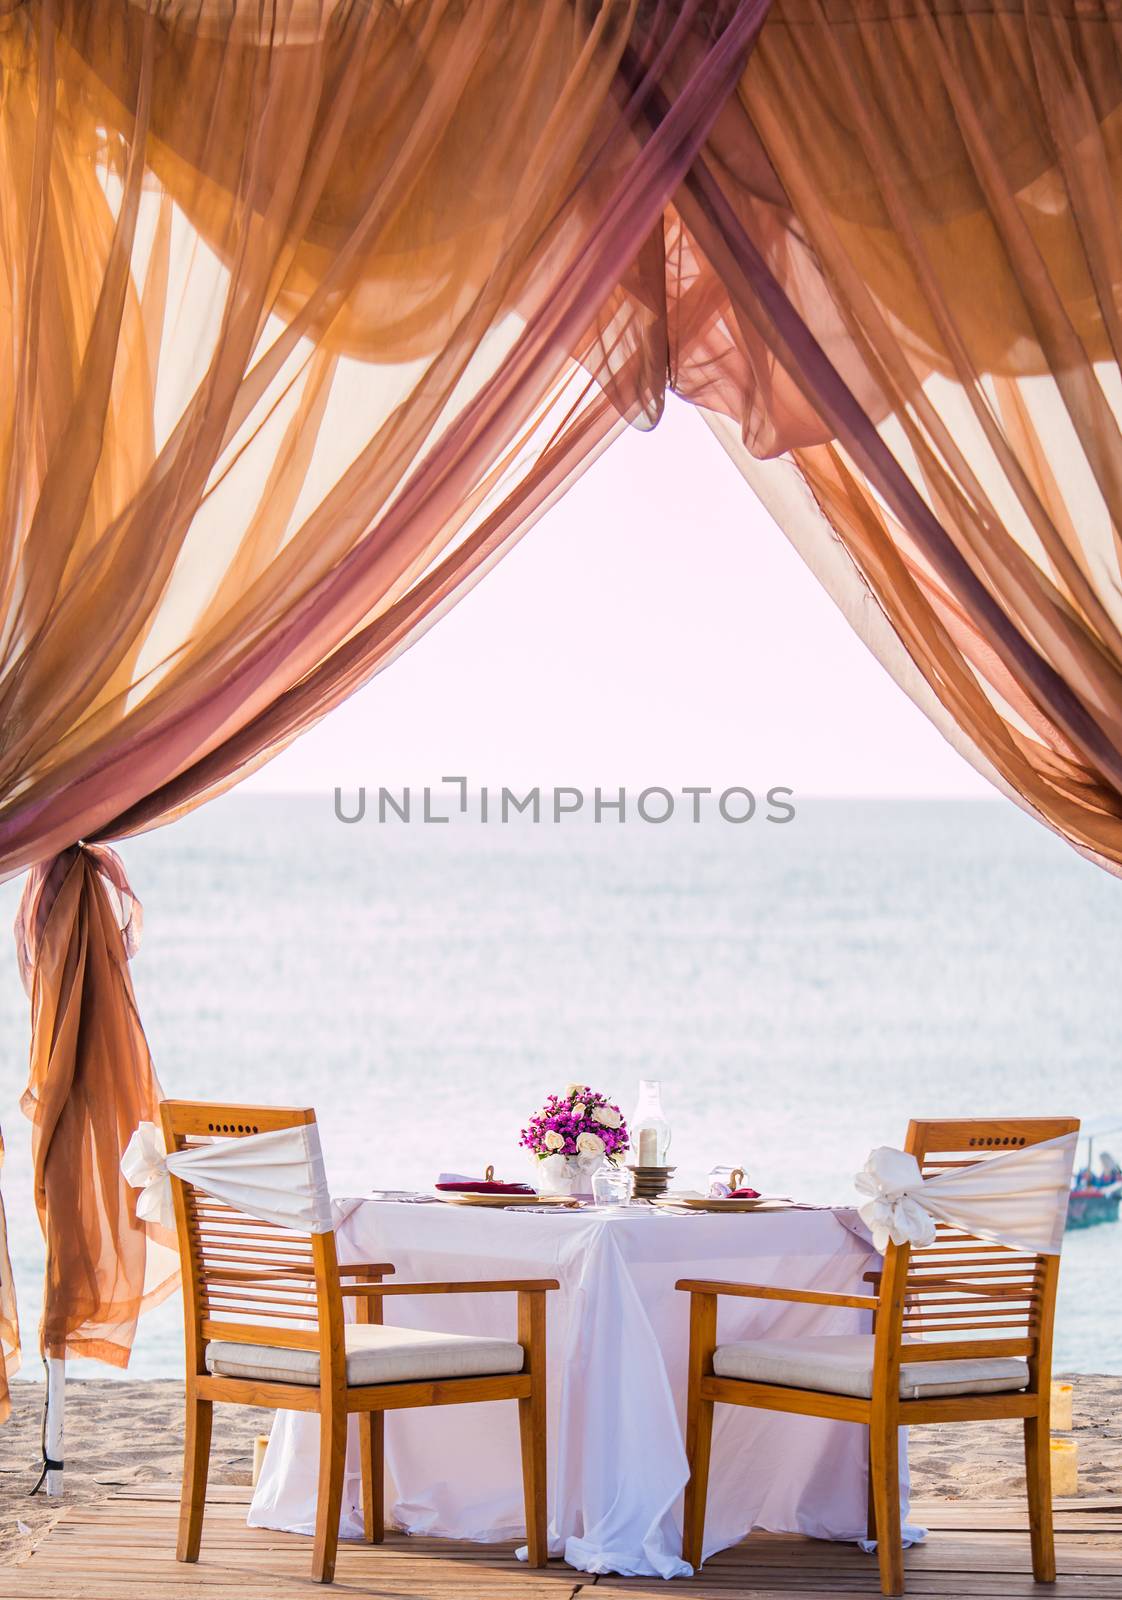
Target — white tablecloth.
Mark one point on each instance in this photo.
(618, 1335)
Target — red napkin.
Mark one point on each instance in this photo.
(482, 1186)
(745, 1194)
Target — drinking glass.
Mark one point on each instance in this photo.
(611, 1186)
(723, 1180)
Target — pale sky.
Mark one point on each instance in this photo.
(654, 627)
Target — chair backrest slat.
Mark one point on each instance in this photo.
(262, 1283)
(960, 1284)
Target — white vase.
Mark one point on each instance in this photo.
(570, 1175)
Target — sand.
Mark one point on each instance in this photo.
(116, 1433)
(121, 1433)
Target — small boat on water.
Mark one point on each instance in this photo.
(1090, 1206)
(1095, 1195)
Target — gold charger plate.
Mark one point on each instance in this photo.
(501, 1200)
(715, 1203)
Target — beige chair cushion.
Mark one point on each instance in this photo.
(375, 1354)
(843, 1364)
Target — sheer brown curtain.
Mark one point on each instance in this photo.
(902, 242)
(311, 309)
(91, 1083)
(9, 1319)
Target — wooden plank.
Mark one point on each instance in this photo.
(785, 1584)
(1070, 1515)
(159, 1490)
(123, 1548)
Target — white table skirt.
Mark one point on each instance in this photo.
(618, 1335)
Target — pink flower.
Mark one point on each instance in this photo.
(582, 1119)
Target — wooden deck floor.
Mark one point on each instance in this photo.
(123, 1549)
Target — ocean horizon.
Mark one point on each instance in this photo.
(800, 990)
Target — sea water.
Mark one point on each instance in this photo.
(800, 989)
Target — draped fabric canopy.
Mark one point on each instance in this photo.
(312, 307)
(929, 298)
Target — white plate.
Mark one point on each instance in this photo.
(716, 1203)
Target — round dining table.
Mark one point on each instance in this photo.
(618, 1333)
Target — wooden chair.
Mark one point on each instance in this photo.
(263, 1309)
(999, 1305)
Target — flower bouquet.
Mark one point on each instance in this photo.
(571, 1136)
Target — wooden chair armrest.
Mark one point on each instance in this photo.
(763, 1291)
(355, 1269)
(490, 1286)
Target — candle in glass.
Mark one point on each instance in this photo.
(649, 1127)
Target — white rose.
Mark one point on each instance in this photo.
(554, 1140)
(579, 1109)
(606, 1116)
(571, 1089)
(590, 1144)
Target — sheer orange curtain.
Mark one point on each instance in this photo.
(312, 307)
(9, 1319)
(902, 246)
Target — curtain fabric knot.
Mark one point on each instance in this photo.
(277, 1177)
(41, 892)
(144, 1165)
(892, 1211)
(1018, 1199)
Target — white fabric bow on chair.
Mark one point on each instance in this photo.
(278, 1177)
(1018, 1199)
